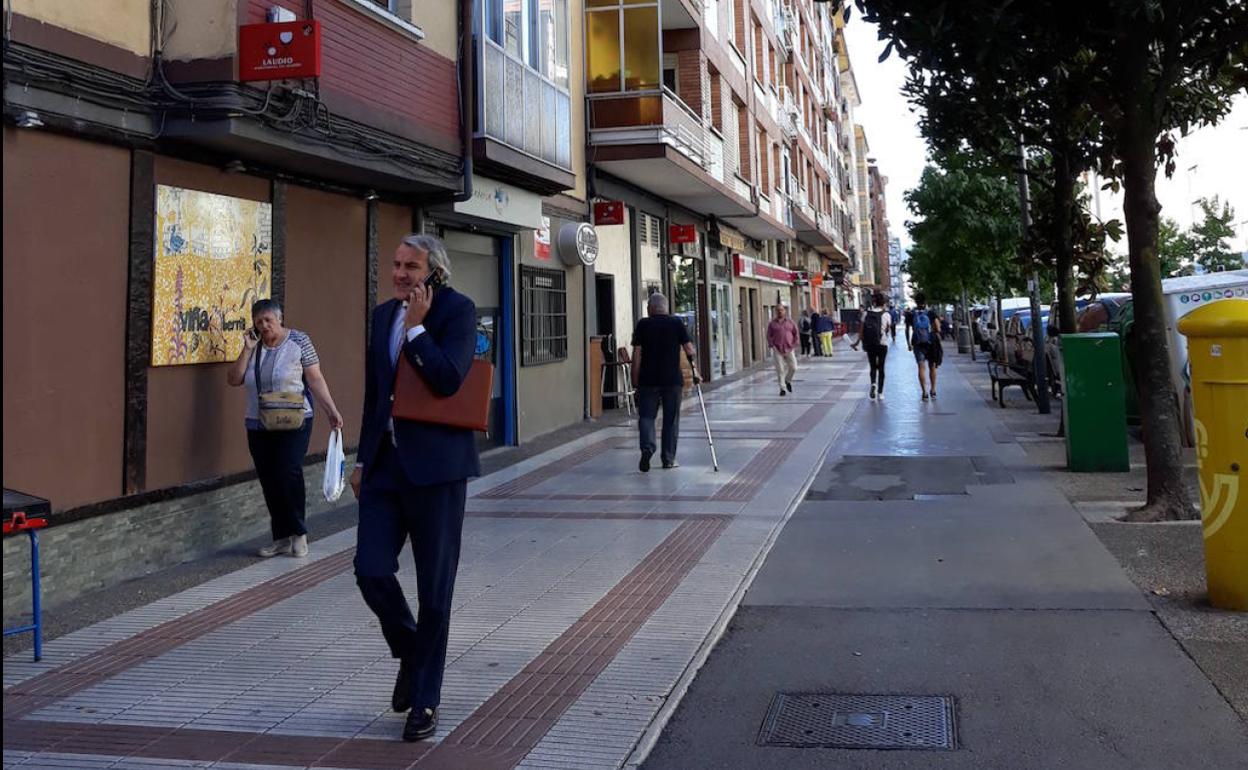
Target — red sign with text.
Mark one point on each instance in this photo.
(609, 213)
(290, 49)
(682, 234)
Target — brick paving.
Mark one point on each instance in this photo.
(587, 593)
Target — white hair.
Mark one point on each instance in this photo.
(434, 248)
(657, 303)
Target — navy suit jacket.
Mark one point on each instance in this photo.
(428, 453)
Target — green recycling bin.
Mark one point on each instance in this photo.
(1095, 412)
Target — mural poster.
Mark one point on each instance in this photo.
(214, 258)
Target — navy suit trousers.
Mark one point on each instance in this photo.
(392, 511)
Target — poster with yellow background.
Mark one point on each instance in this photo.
(214, 258)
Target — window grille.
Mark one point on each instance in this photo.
(544, 316)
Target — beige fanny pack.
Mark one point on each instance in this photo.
(279, 409)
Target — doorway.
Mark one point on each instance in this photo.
(483, 273)
(604, 294)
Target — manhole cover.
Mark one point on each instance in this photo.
(835, 721)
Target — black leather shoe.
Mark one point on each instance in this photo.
(644, 465)
(421, 723)
(401, 700)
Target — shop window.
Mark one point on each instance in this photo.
(544, 316)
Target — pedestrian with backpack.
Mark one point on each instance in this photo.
(923, 338)
(877, 322)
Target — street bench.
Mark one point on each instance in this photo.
(1005, 375)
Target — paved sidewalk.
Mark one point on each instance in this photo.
(932, 557)
(588, 594)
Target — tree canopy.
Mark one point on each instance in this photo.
(966, 231)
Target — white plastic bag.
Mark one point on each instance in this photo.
(335, 467)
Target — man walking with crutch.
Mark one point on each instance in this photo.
(657, 344)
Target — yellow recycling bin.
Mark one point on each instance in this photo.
(1217, 349)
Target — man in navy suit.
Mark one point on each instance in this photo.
(412, 478)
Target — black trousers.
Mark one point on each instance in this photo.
(648, 400)
(875, 358)
(805, 338)
(278, 457)
(392, 511)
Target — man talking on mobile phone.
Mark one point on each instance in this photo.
(411, 477)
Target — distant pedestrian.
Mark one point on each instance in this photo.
(894, 316)
(657, 344)
(782, 338)
(804, 330)
(816, 343)
(824, 331)
(923, 337)
(282, 374)
(876, 323)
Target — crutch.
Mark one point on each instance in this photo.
(707, 423)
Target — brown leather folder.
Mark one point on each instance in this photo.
(469, 408)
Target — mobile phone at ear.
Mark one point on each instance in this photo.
(434, 279)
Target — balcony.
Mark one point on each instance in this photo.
(789, 114)
(530, 147)
(814, 228)
(655, 141)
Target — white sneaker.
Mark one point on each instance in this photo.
(277, 547)
(299, 546)
(880, 397)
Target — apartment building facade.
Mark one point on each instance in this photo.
(718, 130)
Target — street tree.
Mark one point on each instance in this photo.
(1210, 237)
(988, 77)
(1158, 67)
(965, 233)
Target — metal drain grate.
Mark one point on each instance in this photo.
(835, 721)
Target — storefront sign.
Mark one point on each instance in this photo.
(541, 241)
(749, 267)
(214, 258)
(609, 213)
(578, 243)
(289, 49)
(500, 202)
(731, 240)
(682, 234)
(801, 278)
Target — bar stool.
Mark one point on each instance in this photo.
(623, 367)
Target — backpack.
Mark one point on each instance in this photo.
(805, 325)
(873, 327)
(922, 328)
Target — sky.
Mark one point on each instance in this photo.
(1219, 153)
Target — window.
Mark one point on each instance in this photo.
(622, 40)
(386, 5)
(523, 60)
(544, 316)
(494, 20)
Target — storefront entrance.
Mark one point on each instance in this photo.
(481, 270)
